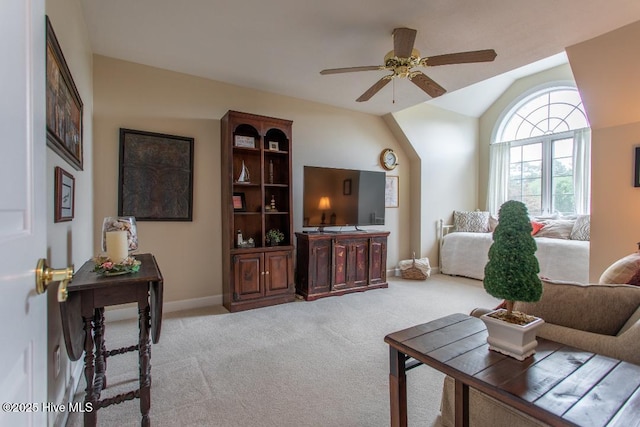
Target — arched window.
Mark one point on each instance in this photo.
(542, 140)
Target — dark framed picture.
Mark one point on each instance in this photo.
(636, 177)
(239, 202)
(64, 106)
(346, 187)
(156, 176)
(64, 195)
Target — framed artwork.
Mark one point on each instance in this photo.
(346, 187)
(274, 146)
(636, 176)
(64, 195)
(156, 176)
(391, 192)
(245, 141)
(239, 202)
(64, 106)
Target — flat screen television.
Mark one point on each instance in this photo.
(342, 197)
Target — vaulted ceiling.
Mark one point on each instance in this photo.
(280, 46)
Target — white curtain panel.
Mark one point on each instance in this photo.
(582, 170)
(498, 191)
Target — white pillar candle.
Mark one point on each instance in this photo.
(117, 246)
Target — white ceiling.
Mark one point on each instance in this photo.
(280, 46)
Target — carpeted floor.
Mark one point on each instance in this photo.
(321, 363)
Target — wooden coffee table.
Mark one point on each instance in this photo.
(559, 385)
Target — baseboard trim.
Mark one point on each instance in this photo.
(131, 312)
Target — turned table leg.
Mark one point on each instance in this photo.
(101, 362)
(90, 417)
(144, 356)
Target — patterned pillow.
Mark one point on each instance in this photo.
(582, 228)
(475, 222)
(624, 271)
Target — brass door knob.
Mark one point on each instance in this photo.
(46, 275)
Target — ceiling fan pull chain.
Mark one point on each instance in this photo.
(393, 83)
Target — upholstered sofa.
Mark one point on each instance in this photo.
(562, 246)
(600, 318)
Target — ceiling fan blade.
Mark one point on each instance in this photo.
(486, 55)
(425, 83)
(403, 39)
(373, 89)
(350, 69)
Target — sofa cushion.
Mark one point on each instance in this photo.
(556, 228)
(601, 309)
(474, 222)
(582, 228)
(626, 270)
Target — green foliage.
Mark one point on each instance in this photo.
(512, 270)
(274, 236)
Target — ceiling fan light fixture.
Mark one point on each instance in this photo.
(404, 57)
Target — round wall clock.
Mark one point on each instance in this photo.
(388, 159)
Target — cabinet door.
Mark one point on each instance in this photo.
(278, 274)
(247, 276)
(359, 262)
(378, 261)
(320, 267)
(340, 264)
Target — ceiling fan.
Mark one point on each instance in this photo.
(403, 58)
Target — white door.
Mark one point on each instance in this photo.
(23, 313)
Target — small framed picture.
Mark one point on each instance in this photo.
(636, 178)
(64, 195)
(391, 192)
(346, 187)
(239, 202)
(245, 141)
(274, 146)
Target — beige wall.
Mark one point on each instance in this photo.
(138, 97)
(69, 243)
(445, 144)
(606, 69)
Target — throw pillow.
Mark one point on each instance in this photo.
(535, 227)
(624, 271)
(556, 228)
(493, 223)
(474, 222)
(582, 228)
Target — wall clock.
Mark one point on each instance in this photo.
(388, 159)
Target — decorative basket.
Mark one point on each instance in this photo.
(415, 269)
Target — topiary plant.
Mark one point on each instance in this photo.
(512, 270)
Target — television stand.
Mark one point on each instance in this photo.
(339, 263)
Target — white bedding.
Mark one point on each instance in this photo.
(466, 254)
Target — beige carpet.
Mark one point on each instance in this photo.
(320, 363)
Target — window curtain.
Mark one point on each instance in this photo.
(582, 170)
(498, 191)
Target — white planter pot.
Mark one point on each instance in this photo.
(517, 341)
